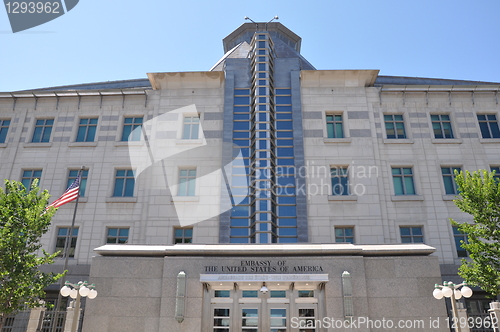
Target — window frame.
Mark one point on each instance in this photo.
(83, 182)
(31, 177)
(2, 127)
(402, 175)
(411, 236)
(344, 170)
(133, 125)
(452, 176)
(344, 236)
(342, 122)
(452, 126)
(116, 170)
(189, 179)
(79, 125)
(44, 127)
(488, 122)
(393, 121)
(183, 237)
(497, 173)
(57, 236)
(463, 236)
(118, 236)
(190, 124)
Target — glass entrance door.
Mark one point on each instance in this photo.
(250, 319)
(278, 319)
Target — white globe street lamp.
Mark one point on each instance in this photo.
(450, 290)
(82, 289)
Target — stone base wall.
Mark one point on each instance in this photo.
(139, 293)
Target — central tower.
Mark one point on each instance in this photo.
(262, 110)
(263, 141)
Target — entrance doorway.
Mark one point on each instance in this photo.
(245, 307)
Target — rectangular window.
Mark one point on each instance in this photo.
(441, 125)
(307, 318)
(411, 234)
(221, 320)
(459, 237)
(83, 183)
(344, 234)
(250, 293)
(489, 125)
(187, 182)
(62, 236)
(191, 127)
(249, 320)
(394, 126)
(340, 181)
(43, 129)
(4, 128)
(450, 186)
(306, 293)
(402, 178)
(334, 126)
(129, 125)
(278, 293)
(86, 130)
(278, 320)
(29, 176)
(497, 172)
(124, 183)
(222, 293)
(117, 235)
(183, 235)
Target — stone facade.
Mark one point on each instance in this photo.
(391, 286)
(373, 211)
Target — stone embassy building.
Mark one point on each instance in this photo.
(344, 213)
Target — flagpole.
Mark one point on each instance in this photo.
(67, 243)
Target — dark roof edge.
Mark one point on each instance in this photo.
(122, 84)
(403, 80)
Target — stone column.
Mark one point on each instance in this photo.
(70, 315)
(495, 315)
(34, 320)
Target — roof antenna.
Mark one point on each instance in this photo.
(256, 24)
(274, 18)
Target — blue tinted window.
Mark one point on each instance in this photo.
(86, 130)
(43, 130)
(241, 125)
(4, 128)
(241, 100)
(239, 231)
(241, 92)
(285, 211)
(283, 125)
(73, 174)
(283, 100)
(285, 152)
(124, 183)
(129, 133)
(283, 116)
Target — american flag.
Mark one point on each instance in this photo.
(69, 195)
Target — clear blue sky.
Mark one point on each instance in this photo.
(106, 40)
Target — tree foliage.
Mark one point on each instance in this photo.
(23, 220)
(480, 197)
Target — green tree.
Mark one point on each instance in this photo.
(480, 197)
(23, 220)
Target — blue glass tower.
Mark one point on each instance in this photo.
(262, 116)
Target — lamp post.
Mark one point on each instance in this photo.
(76, 292)
(450, 290)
